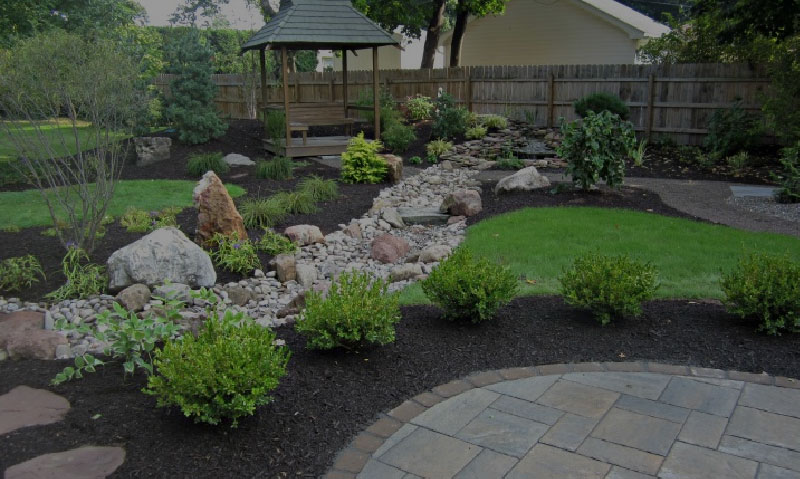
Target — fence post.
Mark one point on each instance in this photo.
(551, 93)
(651, 93)
(331, 91)
(468, 87)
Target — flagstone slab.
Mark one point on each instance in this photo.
(24, 406)
(87, 462)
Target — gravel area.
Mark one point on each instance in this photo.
(767, 206)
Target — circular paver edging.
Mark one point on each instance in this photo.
(620, 420)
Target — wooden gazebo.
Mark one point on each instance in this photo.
(317, 25)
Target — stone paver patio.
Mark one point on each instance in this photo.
(592, 420)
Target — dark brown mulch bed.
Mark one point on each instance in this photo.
(327, 398)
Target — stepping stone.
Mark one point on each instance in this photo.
(87, 462)
(24, 406)
(422, 216)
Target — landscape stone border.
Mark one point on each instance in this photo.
(352, 459)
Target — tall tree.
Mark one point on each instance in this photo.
(466, 9)
(434, 31)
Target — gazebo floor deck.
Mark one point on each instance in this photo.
(314, 146)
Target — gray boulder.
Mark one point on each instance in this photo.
(434, 253)
(462, 203)
(525, 179)
(151, 149)
(235, 159)
(134, 297)
(163, 255)
(306, 275)
(174, 291)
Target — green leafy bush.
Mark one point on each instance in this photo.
(610, 287)
(766, 289)
(226, 373)
(789, 179)
(732, 130)
(318, 188)
(19, 272)
(398, 137)
(509, 163)
(129, 337)
(415, 160)
(297, 202)
(191, 106)
(739, 161)
(279, 168)
(83, 278)
(595, 148)
(475, 133)
(437, 148)
(469, 289)
(274, 244)
(494, 122)
(356, 311)
(449, 121)
(276, 125)
(139, 221)
(419, 108)
(389, 114)
(263, 212)
(599, 102)
(200, 163)
(361, 162)
(234, 254)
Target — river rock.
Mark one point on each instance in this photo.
(306, 275)
(174, 291)
(462, 203)
(391, 216)
(286, 267)
(434, 253)
(164, 255)
(134, 297)
(216, 211)
(305, 234)
(525, 179)
(238, 295)
(388, 248)
(405, 272)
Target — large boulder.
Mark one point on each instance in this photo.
(388, 248)
(216, 211)
(395, 168)
(164, 255)
(286, 267)
(525, 179)
(462, 203)
(151, 149)
(305, 234)
(23, 335)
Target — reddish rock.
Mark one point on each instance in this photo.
(462, 203)
(389, 249)
(395, 171)
(305, 234)
(87, 462)
(22, 333)
(216, 211)
(24, 407)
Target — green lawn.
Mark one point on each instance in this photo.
(539, 242)
(58, 132)
(26, 208)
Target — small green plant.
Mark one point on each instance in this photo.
(732, 130)
(83, 278)
(789, 179)
(766, 289)
(494, 122)
(610, 287)
(279, 168)
(361, 162)
(357, 310)
(599, 102)
(470, 289)
(129, 337)
(276, 125)
(419, 108)
(226, 373)
(449, 121)
(200, 163)
(415, 160)
(319, 189)
(596, 147)
(509, 163)
(274, 244)
(475, 133)
(263, 212)
(139, 221)
(389, 113)
(234, 254)
(398, 137)
(297, 202)
(738, 161)
(11, 229)
(19, 272)
(437, 148)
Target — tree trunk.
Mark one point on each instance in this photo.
(458, 34)
(434, 29)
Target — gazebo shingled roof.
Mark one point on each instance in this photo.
(320, 25)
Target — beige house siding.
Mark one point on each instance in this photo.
(545, 33)
(388, 58)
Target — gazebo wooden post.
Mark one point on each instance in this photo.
(375, 93)
(344, 80)
(285, 67)
(262, 56)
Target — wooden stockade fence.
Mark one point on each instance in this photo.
(665, 100)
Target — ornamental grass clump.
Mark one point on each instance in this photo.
(274, 243)
(419, 108)
(297, 202)
(201, 163)
(494, 122)
(279, 168)
(19, 272)
(319, 189)
(469, 289)
(765, 289)
(361, 163)
(226, 373)
(83, 277)
(357, 310)
(234, 254)
(475, 133)
(610, 286)
(263, 212)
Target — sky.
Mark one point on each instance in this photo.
(241, 16)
